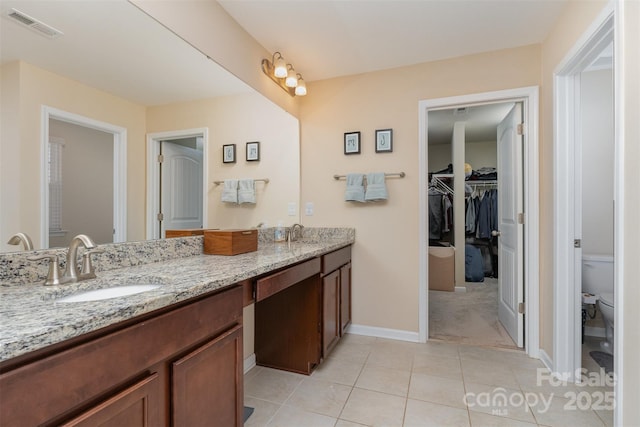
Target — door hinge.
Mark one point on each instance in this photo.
(577, 243)
(521, 308)
(160, 217)
(521, 218)
(520, 129)
(160, 158)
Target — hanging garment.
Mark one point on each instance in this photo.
(435, 215)
(471, 215)
(484, 218)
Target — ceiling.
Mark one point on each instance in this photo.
(324, 39)
(481, 122)
(331, 38)
(113, 46)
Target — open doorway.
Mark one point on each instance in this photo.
(584, 177)
(177, 181)
(524, 299)
(84, 160)
(472, 304)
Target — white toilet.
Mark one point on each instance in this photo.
(597, 279)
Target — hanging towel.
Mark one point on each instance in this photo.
(246, 191)
(355, 188)
(376, 188)
(230, 191)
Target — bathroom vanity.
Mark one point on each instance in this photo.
(172, 355)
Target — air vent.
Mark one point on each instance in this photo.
(33, 24)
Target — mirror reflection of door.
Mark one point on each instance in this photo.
(181, 174)
(80, 183)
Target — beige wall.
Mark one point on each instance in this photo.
(237, 120)
(29, 88)
(385, 267)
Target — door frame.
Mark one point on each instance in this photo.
(567, 322)
(119, 169)
(529, 97)
(153, 174)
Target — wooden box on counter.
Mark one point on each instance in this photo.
(230, 242)
(184, 233)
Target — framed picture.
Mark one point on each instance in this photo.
(384, 141)
(229, 153)
(253, 151)
(352, 143)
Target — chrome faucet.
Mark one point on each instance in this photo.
(71, 273)
(18, 238)
(292, 232)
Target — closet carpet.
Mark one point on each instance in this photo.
(468, 317)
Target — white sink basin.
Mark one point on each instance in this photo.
(106, 293)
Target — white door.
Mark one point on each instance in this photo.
(510, 242)
(180, 187)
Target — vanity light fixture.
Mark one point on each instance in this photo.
(284, 75)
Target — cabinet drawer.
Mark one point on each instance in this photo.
(336, 259)
(277, 282)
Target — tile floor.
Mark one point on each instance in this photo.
(370, 381)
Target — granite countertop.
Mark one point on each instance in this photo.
(32, 319)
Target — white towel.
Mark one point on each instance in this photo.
(246, 191)
(230, 191)
(355, 188)
(376, 187)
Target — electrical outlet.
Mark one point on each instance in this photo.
(291, 208)
(308, 209)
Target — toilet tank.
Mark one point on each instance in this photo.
(597, 274)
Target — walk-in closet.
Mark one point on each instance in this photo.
(463, 164)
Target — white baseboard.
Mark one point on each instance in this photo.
(546, 360)
(394, 334)
(460, 289)
(249, 362)
(594, 331)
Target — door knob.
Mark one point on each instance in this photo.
(495, 233)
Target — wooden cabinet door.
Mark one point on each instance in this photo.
(138, 405)
(345, 298)
(207, 383)
(330, 311)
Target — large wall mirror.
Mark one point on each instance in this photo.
(93, 93)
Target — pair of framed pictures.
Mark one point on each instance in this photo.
(384, 142)
(252, 152)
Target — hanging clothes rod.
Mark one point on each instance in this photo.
(398, 174)
(266, 181)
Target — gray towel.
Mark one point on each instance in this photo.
(230, 191)
(376, 188)
(355, 188)
(246, 191)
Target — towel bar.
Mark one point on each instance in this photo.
(398, 174)
(266, 181)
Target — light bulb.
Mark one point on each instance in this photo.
(301, 89)
(279, 67)
(292, 79)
